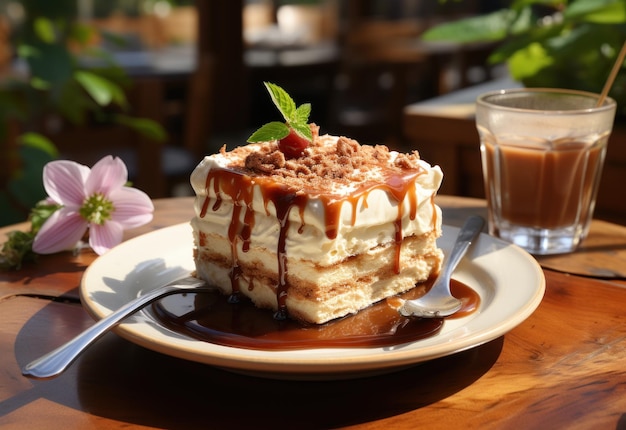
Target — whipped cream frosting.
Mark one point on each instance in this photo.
(324, 224)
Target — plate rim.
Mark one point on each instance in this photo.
(285, 363)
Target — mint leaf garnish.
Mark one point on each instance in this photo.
(282, 100)
(301, 115)
(303, 130)
(295, 118)
(271, 131)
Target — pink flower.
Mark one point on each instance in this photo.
(95, 199)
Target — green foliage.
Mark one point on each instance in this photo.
(558, 43)
(39, 142)
(54, 46)
(144, 126)
(18, 248)
(102, 90)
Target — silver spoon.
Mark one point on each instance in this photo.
(55, 362)
(438, 301)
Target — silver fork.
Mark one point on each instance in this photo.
(55, 362)
(438, 301)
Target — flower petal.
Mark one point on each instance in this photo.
(107, 175)
(64, 182)
(60, 232)
(133, 207)
(106, 236)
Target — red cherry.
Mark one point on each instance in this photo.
(293, 144)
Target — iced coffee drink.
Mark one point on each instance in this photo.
(542, 155)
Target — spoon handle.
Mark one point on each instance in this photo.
(468, 233)
(55, 362)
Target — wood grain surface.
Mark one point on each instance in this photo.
(561, 368)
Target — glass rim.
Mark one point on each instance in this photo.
(608, 104)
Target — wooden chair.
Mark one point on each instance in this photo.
(372, 87)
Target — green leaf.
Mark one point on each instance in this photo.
(582, 58)
(25, 51)
(598, 11)
(493, 26)
(303, 130)
(102, 90)
(40, 213)
(536, 35)
(44, 29)
(16, 250)
(282, 100)
(296, 119)
(39, 84)
(302, 114)
(19, 246)
(528, 61)
(271, 131)
(40, 142)
(144, 126)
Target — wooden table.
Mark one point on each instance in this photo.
(561, 368)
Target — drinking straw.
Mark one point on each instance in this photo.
(609, 82)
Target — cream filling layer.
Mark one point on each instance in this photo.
(319, 294)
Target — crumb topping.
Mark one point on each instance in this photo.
(326, 163)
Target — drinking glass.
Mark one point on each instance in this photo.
(542, 153)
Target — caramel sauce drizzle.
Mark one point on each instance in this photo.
(239, 186)
(210, 318)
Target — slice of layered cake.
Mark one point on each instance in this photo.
(317, 233)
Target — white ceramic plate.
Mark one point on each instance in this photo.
(509, 281)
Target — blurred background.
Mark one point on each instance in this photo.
(160, 83)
